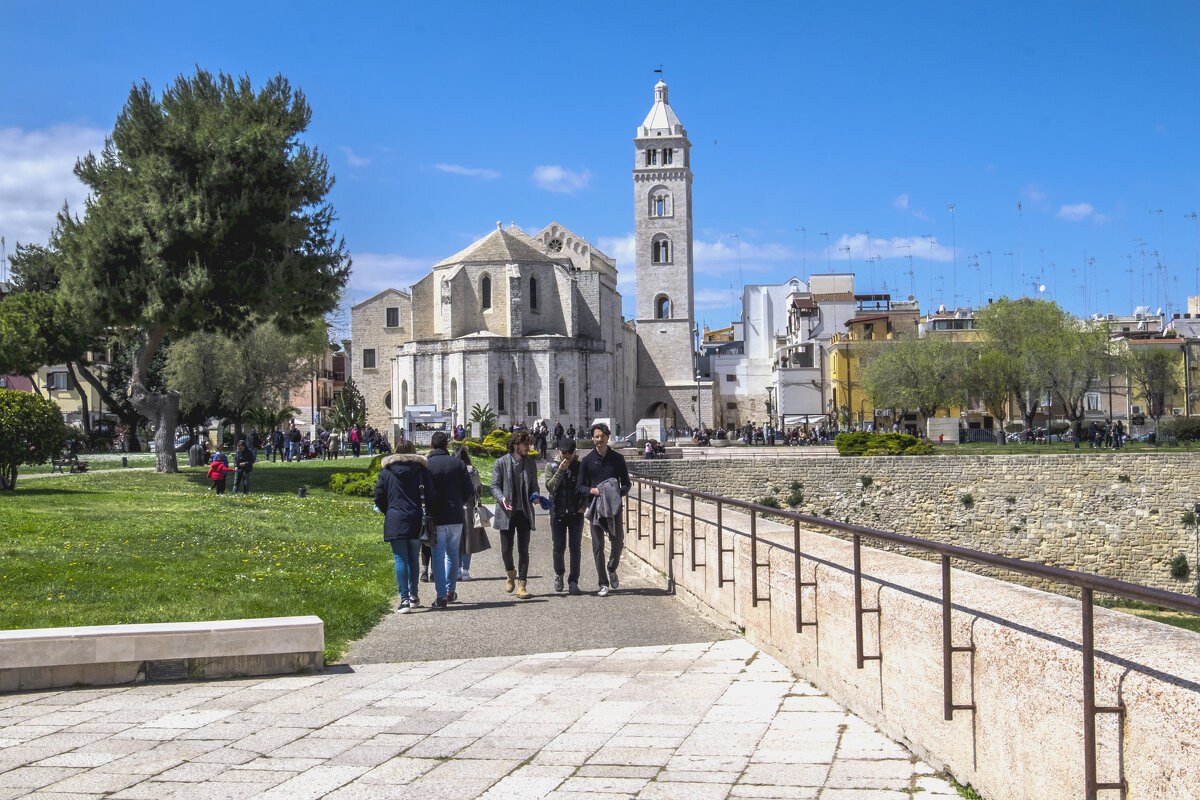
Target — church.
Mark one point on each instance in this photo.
(531, 325)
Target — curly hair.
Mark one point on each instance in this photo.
(520, 437)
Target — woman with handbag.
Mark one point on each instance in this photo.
(402, 493)
(472, 528)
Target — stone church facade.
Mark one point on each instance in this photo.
(532, 325)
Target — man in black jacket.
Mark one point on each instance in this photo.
(566, 517)
(597, 467)
(452, 485)
(243, 460)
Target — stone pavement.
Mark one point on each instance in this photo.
(696, 721)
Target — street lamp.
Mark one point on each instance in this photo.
(699, 418)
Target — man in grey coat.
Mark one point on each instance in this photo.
(514, 479)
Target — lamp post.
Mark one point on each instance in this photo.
(699, 418)
(770, 410)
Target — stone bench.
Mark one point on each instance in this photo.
(43, 658)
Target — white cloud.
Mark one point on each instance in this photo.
(709, 299)
(36, 177)
(555, 178)
(896, 247)
(720, 257)
(1034, 193)
(901, 202)
(471, 172)
(373, 272)
(1076, 212)
(353, 158)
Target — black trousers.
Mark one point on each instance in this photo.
(518, 533)
(567, 531)
(615, 535)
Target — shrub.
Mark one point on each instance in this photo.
(356, 484)
(864, 443)
(1012, 501)
(1123, 479)
(967, 499)
(1059, 428)
(1185, 429)
(796, 495)
(866, 481)
(31, 432)
(1179, 567)
(770, 501)
(1189, 518)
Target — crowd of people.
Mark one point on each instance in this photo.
(440, 487)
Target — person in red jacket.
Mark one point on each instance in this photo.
(218, 469)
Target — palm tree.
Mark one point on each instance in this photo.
(265, 420)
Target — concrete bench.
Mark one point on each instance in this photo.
(43, 658)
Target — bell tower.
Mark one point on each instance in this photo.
(662, 203)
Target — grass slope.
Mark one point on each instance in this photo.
(126, 547)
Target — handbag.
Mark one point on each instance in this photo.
(482, 517)
(477, 540)
(428, 526)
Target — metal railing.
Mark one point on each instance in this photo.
(1085, 582)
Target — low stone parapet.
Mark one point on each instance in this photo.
(43, 658)
(1023, 737)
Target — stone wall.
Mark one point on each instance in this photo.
(1022, 738)
(1117, 515)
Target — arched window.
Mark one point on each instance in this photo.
(659, 204)
(660, 250)
(485, 292)
(662, 307)
(533, 293)
(562, 394)
(387, 401)
(500, 395)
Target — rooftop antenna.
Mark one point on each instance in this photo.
(954, 251)
(828, 257)
(659, 71)
(978, 276)
(1129, 270)
(741, 283)
(4, 260)
(849, 263)
(912, 285)
(991, 276)
(1163, 265)
(804, 248)
(1021, 242)
(1011, 268)
(932, 296)
(1195, 243)
(872, 261)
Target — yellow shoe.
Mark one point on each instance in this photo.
(511, 583)
(521, 593)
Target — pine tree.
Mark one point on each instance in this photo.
(206, 212)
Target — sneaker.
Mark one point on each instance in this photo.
(414, 602)
(464, 575)
(452, 597)
(424, 576)
(439, 604)
(404, 608)
(573, 588)
(603, 592)
(612, 579)
(558, 583)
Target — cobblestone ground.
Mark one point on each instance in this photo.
(695, 721)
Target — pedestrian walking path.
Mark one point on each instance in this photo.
(696, 721)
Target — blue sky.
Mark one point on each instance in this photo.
(811, 125)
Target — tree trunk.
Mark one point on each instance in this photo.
(85, 417)
(131, 420)
(161, 409)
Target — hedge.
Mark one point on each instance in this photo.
(866, 443)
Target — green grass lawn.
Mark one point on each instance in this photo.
(126, 547)
(97, 462)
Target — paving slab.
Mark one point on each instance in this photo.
(543, 728)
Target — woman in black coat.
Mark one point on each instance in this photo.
(398, 496)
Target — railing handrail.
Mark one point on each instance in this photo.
(1082, 580)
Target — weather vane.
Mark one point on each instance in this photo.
(659, 71)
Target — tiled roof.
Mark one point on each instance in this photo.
(498, 247)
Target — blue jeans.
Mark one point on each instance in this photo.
(408, 570)
(446, 559)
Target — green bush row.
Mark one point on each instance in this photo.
(866, 443)
(357, 484)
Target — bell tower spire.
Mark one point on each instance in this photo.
(662, 193)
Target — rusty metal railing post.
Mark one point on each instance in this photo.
(858, 606)
(640, 536)
(753, 559)
(654, 517)
(1090, 709)
(692, 537)
(801, 583)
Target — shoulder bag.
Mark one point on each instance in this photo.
(428, 526)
